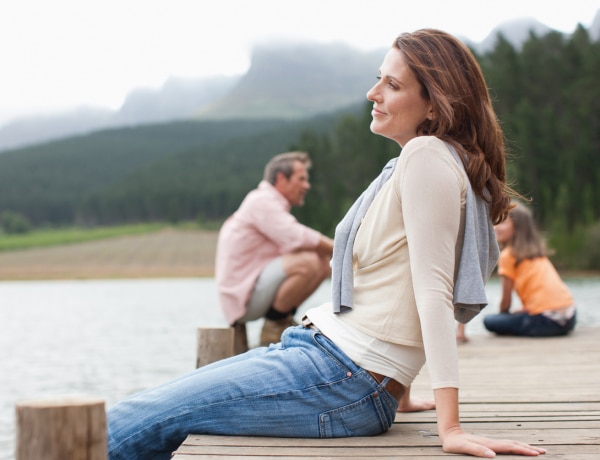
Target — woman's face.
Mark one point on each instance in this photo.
(505, 231)
(398, 106)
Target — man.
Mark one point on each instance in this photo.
(268, 263)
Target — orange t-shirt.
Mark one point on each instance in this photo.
(536, 282)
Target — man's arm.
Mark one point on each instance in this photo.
(325, 247)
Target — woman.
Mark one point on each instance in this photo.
(347, 369)
(524, 266)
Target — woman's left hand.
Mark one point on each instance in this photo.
(459, 442)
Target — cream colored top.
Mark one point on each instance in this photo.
(405, 254)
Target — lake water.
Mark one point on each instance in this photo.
(112, 338)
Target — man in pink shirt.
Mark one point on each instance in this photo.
(267, 262)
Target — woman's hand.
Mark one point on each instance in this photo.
(457, 441)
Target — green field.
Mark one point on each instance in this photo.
(70, 235)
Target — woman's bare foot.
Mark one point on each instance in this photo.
(461, 337)
(413, 404)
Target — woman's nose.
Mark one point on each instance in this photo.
(372, 93)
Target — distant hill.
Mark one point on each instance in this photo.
(516, 33)
(290, 81)
(177, 99)
(595, 27)
(83, 178)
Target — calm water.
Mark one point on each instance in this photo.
(113, 338)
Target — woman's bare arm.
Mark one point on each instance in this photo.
(507, 288)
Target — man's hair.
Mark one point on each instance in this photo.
(284, 163)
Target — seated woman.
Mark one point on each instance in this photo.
(411, 255)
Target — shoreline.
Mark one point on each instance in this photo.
(166, 254)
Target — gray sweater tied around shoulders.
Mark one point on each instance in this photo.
(478, 257)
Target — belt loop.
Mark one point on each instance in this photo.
(306, 322)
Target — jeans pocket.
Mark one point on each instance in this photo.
(365, 417)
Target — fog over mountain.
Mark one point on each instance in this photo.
(516, 32)
(293, 80)
(176, 99)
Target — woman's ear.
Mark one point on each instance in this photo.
(430, 114)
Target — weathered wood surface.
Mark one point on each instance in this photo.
(544, 392)
(214, 344)
(60, 428)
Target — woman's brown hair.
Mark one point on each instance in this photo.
(452, 81)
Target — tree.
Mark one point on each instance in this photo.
(14, 223)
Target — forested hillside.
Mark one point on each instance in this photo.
(173, 171)
(546, 94)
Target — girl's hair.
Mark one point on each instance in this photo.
(452, 81)
(526, 242)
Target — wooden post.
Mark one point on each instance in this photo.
(61, 428)
(214, 344)
(240, 338)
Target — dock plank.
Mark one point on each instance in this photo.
(545, 392)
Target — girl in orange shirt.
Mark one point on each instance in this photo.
(548, 308)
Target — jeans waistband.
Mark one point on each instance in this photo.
(393, 387)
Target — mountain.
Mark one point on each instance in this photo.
(177, 99)
(516, 33)
(298, 80)
(595, 27)
(38, 129)
(288, 80)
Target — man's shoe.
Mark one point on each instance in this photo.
(272, 330)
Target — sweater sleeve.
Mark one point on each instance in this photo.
(431, 202)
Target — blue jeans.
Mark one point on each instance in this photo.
(303, 387)
(523, 324)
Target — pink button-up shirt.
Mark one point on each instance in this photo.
(259, 231)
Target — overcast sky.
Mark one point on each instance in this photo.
(58, 54)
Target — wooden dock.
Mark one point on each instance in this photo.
(544, 392)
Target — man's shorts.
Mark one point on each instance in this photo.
(264, 291)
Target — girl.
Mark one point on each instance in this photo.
(524, 266)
